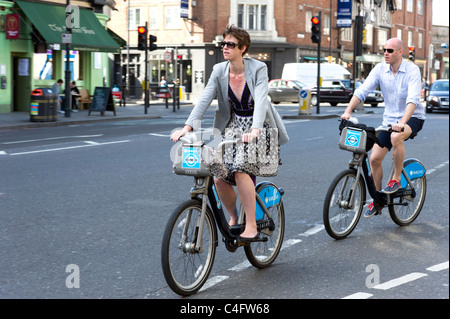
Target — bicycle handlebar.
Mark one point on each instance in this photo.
(381, 128)
(199, 143)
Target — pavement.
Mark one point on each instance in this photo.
(134, 109)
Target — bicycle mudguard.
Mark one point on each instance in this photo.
(414, 169)
(270, 196)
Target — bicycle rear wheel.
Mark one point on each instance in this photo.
(405, 209)
(186, 269)
(262, 254)
(338, 217)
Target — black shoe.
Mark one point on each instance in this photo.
(247, 240)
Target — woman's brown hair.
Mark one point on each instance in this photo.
(241, 35)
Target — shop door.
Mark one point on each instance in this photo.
(21, 84)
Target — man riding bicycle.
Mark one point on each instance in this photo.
(400, 83)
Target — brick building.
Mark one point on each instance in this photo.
(280, 32)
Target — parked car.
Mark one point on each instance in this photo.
(438, 96)
(373, 98)
(333, 92)
(284, 90)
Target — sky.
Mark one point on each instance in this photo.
(440, 12)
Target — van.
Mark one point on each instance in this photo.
(307, 72)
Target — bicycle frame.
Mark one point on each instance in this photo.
(206, 188)
(361, 162)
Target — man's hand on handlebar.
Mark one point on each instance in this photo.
(346, 116)
(398, 127)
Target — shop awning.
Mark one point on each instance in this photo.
(50, 21)
(310, 58)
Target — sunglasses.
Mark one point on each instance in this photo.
(388, 50)
(230, 44)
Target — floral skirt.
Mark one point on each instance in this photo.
(260, 158)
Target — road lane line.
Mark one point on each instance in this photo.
(438, 267)
(213, 281)
(68, 148)
(51, 138)
(359, 295)
(400, 281)
(312, 231)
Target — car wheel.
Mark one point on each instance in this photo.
(333, 104)
(313, 100)
(429, 110)
(374, 104)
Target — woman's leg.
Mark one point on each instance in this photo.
(227, 196)
(246, 191)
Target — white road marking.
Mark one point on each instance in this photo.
(400, 281)
(51, 138)
(213, 281)
(438, 267)
(359, 295)
(69, 147)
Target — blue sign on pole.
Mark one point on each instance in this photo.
(184, 10)
(344, 14)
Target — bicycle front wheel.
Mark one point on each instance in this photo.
(340, 213)
(405, 209)
(185, 267)
(263, 254)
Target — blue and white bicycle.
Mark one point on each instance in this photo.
(346, 195)
(190, 239)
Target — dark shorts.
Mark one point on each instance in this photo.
(415, 124)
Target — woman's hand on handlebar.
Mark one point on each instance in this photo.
(250, 137)
(177, 134)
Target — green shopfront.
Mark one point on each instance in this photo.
(36, 58)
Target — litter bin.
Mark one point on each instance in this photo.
(43, 106)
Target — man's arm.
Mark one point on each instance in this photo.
(351, 106)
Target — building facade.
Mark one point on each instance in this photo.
(188, 33)
(32, 49)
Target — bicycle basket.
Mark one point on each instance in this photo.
(356, 138)
(189, 160)
(353, 140)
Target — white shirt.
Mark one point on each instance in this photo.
(398, 90)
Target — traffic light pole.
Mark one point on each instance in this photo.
(146, 84)
(67, 93)
(318, 66)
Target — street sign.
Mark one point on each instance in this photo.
(344, 14)
(66, 37)
(168, 56)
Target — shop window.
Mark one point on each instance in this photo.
(43, 65)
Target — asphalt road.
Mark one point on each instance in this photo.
(93, 200)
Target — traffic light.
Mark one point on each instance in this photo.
(153, 45)
(412, 53)
(315, 29)
(179, 59)
(142, 38)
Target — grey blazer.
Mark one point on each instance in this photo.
(217, 87)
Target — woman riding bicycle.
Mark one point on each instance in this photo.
(244, 111)
(400, 83)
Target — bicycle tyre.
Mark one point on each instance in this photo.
(405, 209)
(262, 254)
(186, 270)
(338, 220)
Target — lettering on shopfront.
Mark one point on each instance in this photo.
(57, 28)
